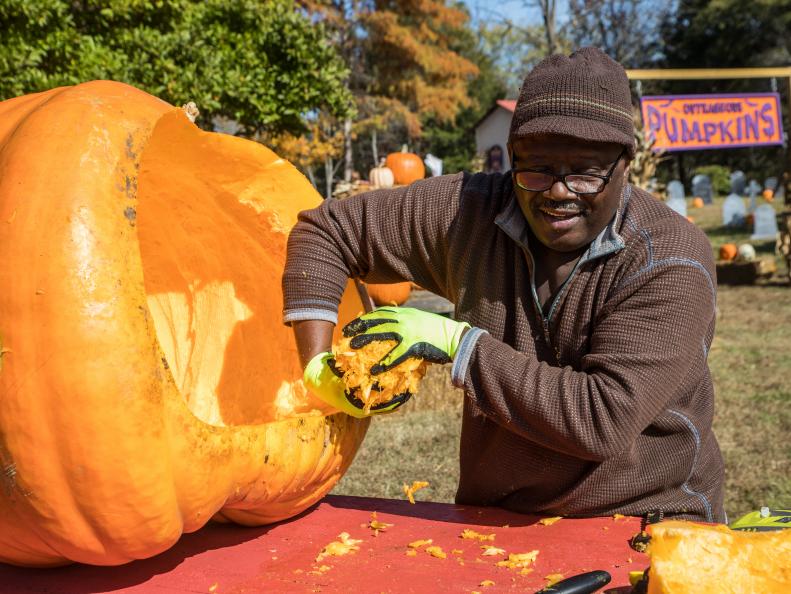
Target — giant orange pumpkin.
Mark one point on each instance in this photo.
(406, 167)
(688, 558)
(147, 383)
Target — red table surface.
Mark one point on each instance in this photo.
(226, 559)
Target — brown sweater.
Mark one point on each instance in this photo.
(601, 404)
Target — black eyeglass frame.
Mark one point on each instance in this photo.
(562, 178)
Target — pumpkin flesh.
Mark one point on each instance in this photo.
(147, 383)
(700, 559)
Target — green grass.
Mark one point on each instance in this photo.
(750, 361)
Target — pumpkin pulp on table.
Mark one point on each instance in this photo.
(147, 383)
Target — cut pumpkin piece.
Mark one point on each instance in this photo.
(689, 558)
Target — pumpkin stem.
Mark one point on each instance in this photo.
(191, 111)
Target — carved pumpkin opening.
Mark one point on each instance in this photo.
(202, 200)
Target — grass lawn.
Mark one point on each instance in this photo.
(750, 362)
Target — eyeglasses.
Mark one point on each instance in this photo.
(534, 180)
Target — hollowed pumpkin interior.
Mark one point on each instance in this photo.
(213, 213)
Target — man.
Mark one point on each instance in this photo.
(586, 309)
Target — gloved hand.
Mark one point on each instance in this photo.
(324, 379)
(419, 334)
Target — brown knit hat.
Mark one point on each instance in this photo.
(585, 95)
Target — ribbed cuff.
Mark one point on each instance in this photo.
(462, 360)
(299, 315)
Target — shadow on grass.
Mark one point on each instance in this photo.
(726, 232)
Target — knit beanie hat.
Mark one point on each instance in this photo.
(585, 95)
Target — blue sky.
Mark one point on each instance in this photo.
(513, 9)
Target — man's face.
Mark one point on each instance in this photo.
(560, 219)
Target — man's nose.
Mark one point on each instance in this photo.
(558, 191)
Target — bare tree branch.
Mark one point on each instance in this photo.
(627, 30)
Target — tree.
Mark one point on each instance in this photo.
(404, 69)
(454, 141)
(341, 18)
(409, 49)
(516, 49)
(263, 64)
(626, 30)
(548, 11)
(728, 34)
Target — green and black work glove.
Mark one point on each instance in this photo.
(323, 378)
(419, 334)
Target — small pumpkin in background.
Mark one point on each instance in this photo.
(690, 219)
(697, 202)
(390, 293)
(728, 251)
(381, 176)
(768, 194)
(406, 167)
(745, 253)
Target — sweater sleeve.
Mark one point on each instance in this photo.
(649, 343)
(382, 236)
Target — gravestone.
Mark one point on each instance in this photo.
(733, 211)
(675, 189)
(753, 189)
(765, 226)
(652, 186)
(434, 164)
(738, 182)
(701, 186)
(678, 204)
(770, 183)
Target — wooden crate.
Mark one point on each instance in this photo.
(745, 273)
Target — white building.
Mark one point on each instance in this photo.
(492, 131)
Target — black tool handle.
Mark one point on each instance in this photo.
(584, 583)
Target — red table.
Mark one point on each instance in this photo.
(225, 559)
